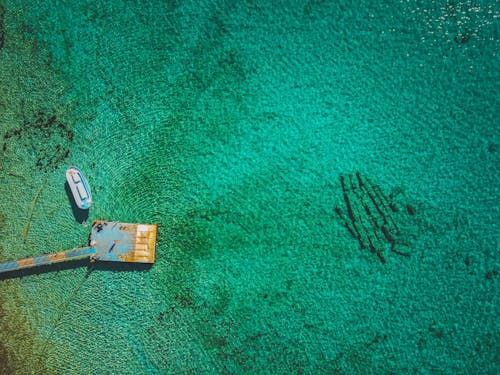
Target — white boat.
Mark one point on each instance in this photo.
(79, 187)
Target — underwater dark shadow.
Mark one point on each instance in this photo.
(80, 215)
(97, 266)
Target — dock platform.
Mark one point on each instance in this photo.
(123, 242)
(109, 241)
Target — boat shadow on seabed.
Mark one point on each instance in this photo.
(81, 215)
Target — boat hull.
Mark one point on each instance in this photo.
(79, 187)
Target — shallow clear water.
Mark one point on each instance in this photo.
(325, 178)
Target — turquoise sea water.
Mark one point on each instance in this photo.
(325, 176)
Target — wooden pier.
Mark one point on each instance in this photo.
(109, 241)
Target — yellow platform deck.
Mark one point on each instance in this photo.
(123, 242)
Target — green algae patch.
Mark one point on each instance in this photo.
(36, 131)
(19, 345)
(6, 363)
(2, 25)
